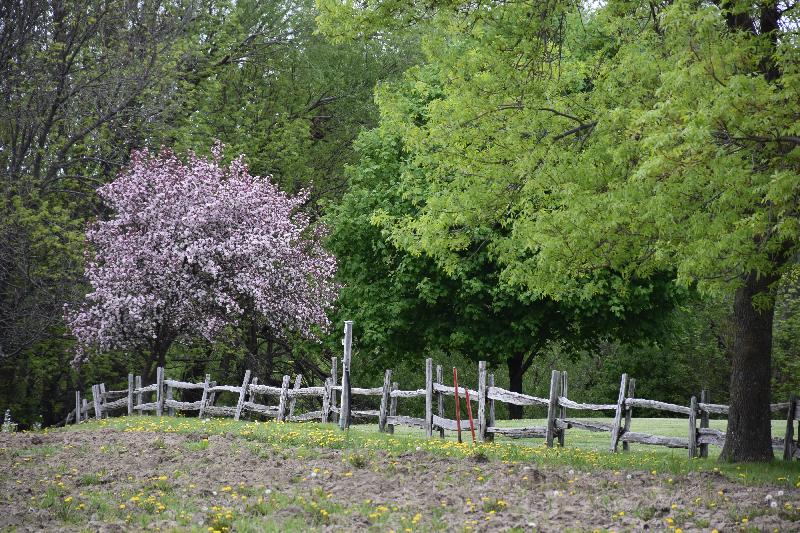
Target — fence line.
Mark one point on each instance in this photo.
(281, 403)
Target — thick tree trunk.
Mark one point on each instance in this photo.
(749, 429)
(516, 371)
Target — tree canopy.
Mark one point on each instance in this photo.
(405, 304)
(631, 136)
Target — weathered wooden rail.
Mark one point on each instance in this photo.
(280, 402)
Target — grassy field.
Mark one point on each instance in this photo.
(185, 474)
(582, 446)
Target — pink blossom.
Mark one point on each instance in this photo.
(193, 247)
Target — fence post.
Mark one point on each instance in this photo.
(138, 382)
(788, 443)
(393, 407)
(552, 407)
(326, 401)
(103, 400)
(98, 410)
(77, 407)
(130, 394)
(344, 404)
(693, 427)
(385, 397)
(429, 397)
(251, 397)
(170, 409)
(204, 397)
(490, 417)
(159, 390)
(334, 382)
(481, 401)
(704, 422)
(344, 414)
(284, 396)
(212, 398)
(615, 433)
(440, 398)
(298, 380)
(242, 394)
(85, 408)
(562, 432)
(628, 412)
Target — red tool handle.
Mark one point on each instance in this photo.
(469, 414)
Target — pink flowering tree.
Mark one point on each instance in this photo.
(194, 247)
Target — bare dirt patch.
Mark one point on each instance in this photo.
(108, 480)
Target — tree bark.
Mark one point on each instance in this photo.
(158, 356)
(748, 438)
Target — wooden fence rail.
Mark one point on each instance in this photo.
(255, 399)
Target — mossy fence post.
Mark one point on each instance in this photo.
(429, 397)
(704, 421)
(130, 394)
(552, 407)
(393, 406)
(628, 412)
(298, 380)
(440, 398)
(138, 384)
(204, 397)
(334, 383)
(77, 407)
(159, 391)
(283, 398)
(385, 400)
(693, 427)
(562, 432)
(615, 427)
(344, 414)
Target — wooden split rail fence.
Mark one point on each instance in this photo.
(161, 397)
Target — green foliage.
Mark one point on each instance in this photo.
(572, 140)
(596, 139)
(406, 304)
(252, 74)
(269, 86)
(786, 349)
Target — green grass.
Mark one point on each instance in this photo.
(584, 450)
(78, 499)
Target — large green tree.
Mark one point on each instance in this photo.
(630, 135)
(405, 305)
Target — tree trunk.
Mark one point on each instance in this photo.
(251, 343)
(158, 357)
(749, 429)
(516, 371)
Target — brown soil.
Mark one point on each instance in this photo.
(419, 491)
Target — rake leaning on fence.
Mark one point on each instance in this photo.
(558, 422)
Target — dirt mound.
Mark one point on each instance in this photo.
(108, 480)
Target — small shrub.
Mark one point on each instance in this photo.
(479, 456)
(89, 479)
(220, 519)
(493, 504)
(357, 460)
